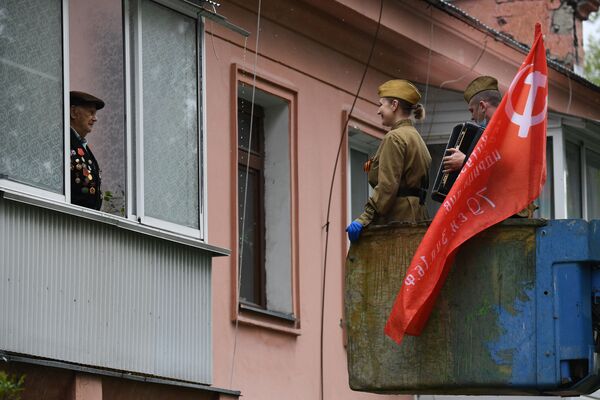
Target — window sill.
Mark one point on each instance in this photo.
(250, 315)
(131, 225)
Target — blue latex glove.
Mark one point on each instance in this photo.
(354, 230)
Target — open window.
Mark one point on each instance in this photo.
(144, 59)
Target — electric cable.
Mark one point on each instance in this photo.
(570, 96)
(460, 78)
(241, 247)
(326, 226)
(426, 97)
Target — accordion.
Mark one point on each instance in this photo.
(464, 137)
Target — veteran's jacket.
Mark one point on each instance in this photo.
(85, 175)
(401, 163)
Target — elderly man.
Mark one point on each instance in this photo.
(85, 172)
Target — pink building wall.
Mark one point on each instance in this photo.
(269, 363)
(320, 58)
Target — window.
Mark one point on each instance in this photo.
(265, 187)
(167, 120)
(144, 59)
(31, 98)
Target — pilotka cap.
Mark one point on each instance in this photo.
(400, 89)
(479, 85)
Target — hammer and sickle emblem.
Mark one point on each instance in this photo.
(526, 120)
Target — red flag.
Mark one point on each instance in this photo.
(504, 173)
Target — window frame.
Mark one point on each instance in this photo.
(132, 71)
(241, 312)
(24, 189)
(134, 126)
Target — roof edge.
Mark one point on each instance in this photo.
(509, 41)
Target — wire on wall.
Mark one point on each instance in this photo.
(326, 226)
(247, 168)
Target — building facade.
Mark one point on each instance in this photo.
(215, 267)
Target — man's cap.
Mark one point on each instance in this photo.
(84, 99)
(400, 89)
(479, 85)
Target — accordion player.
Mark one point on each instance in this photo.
(464, 137)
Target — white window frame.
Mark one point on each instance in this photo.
(135, 74)
(51, 200)
(37, 193)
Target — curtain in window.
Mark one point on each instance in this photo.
(31, 93)
(170, 115)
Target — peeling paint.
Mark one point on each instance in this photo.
(515, 348)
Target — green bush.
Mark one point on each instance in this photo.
(11, 387)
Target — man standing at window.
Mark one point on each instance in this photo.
(85, 172)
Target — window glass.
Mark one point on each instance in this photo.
(251, 238)
(251, 203)
(31, 93)
(573, 180)
(170, 115)
(593, 184)
(96, 67)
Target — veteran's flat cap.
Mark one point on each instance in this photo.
(479, 85)
(84, 99)
(400, 89)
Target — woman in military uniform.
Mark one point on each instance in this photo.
(399, 171)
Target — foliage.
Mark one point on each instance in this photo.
(11, 387)
(591, 68)
(114, 204)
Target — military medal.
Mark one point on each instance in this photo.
(80, 151)
(92, 190)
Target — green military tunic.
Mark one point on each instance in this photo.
(402, 162)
